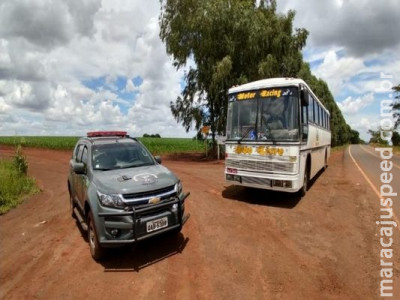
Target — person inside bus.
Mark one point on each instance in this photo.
(273, 114)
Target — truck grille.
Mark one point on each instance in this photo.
(143, 197)
(150, 194)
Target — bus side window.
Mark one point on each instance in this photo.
(304, 121)
(311, 109)
(315, 105)
(329, 123)
(326, 120)
(322, 117)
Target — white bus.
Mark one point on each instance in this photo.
(277, 136)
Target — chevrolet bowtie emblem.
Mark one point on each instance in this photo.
(154, 200)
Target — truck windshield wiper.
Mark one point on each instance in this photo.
(135, 166)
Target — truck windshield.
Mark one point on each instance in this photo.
(264, 115)
(119, 156)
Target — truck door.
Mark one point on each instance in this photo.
(75, 177)
(83, 180)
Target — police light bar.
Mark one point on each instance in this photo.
(106, 133)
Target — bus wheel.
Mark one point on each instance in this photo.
(326, 160)
(306, 181)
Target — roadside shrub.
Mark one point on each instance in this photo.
(21, 164)
(13, 185)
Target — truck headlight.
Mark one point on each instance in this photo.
(111, 200)
(178, 188)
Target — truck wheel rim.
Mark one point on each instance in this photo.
(91, 237)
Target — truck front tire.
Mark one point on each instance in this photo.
(96, 250)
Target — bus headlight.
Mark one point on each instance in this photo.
(282, 183)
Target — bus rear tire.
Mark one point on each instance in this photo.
(326, 160)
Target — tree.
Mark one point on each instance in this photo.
(341, 132)
(231, 42)
(354, 137)
(376, 137)
(396, 107)
(146, 135)
(396, 138)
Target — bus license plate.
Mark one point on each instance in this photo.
(157, 224)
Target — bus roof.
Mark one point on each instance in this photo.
(266, 83)
(273, 82)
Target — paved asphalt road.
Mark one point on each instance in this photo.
(369, 161)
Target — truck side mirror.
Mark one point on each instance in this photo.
(304, 97)
(78, 167)
(158, 159)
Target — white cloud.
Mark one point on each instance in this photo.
(362, 123)
(49, 48)
(362, 27)
(353, 106)
(338, 71)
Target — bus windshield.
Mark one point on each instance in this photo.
(264, 115)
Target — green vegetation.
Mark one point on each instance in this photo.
(15, 184)
(339, 148)
(396, 106)
(155, 145)
(376, 138)
(172, 145)
(49, 142)
(146, 135)
(395, 138)
(231, 43)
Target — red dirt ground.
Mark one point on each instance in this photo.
(239, 243)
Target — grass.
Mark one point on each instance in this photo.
(155, 145)
(49, 142)
(339, 148)
(13, 186)
(172, 145)
(396, 149)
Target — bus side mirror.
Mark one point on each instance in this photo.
(304, 97)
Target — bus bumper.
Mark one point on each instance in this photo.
(277, 182)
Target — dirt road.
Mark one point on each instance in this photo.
(238, 244)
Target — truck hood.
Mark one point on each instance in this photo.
(134, 180)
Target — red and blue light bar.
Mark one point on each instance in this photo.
(106, 133)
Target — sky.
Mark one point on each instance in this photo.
(68, 67)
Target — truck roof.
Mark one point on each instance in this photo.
(108, 137)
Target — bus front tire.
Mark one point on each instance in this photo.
(306, 182)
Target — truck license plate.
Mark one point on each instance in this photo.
(157, 224)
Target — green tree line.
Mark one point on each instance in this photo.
(235, 42)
